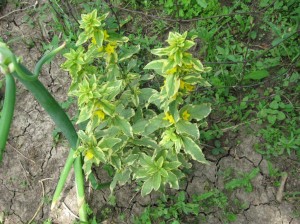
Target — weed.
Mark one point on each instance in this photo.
(243, 182)
(177, 209)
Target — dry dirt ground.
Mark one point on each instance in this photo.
(32, 162)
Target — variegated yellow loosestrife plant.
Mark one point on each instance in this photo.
(145, 134)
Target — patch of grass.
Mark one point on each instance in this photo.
(178, 209)
(243, 182)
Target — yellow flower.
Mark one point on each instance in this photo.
(186, 86)
(172, 70)
(110, 48)
(94, 40)
(182, 83)
(100, 114)
(186, 115)
(189, 87)
(89, 154)
(106, 36)
(169, 118)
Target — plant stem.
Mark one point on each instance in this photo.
(63, 122)
(46, 58)
(79, 179)
(7, 111)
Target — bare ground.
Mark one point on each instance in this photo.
(32, 162)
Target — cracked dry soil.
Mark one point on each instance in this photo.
(32, 162)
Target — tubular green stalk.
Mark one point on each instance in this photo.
(7, 111)
(21, 70)
(79, 179)
(65, 125)
(60, 118)
(63, 178)
(46, 58)
(79, 184)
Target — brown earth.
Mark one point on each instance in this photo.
(32, 162)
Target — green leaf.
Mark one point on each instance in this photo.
(124, 125)
(156, 65)
(107, 107)
(172, 85)
(103, 17)
(111, 131)
(113, 89)
(253, 173)
(115, 37)
(99, 154)
(195, 79)
(205, 196)
(161, 51)
(147, 142)
(185, 127)
(191, 148)
(83, 136)
(271, 119)
(264, 3)
(171, 165)
(170, 64)
(131, 64)
(188, 44)
(156, 182)
(116, 162)
(160, 162)
(113, 72)
(108, 142)
(141, 173)
(127, 53)
(122, 177)
(199, 66)
(129, 160)
(99, 36)
(147, 161)
(178, 58)
(257, 75)
(197, 112)
(146, 93)
(139, 126)
(274, 105)
(85, 113)
(125, 113)
(202, 3)
(235, 183)
(155, 99)
(82, 39)
(173, 180)
(147, 187)
(281, 116)
(173, 110)
(155, 123)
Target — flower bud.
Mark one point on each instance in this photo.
(11, 67)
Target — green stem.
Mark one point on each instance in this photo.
(7, 111)
(79, 179)
(63, 178)
(46, 58)
(65, 125)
